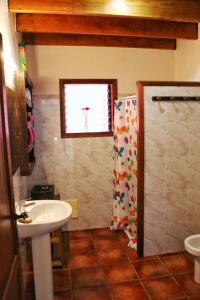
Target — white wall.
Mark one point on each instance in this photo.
(10, 43)
(187, 60)
(11, 64)
(46, 64)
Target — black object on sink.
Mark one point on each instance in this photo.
(40, 192)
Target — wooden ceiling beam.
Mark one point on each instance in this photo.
(92, 40)
(105, 26)
(172, 10)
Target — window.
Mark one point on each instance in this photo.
(86, 107)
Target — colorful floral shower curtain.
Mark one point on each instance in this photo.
(125, 168)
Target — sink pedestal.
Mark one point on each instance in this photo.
(197, 269)
(42, 267)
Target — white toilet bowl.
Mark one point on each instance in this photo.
(192, 245)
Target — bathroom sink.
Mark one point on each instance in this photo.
(46, 215)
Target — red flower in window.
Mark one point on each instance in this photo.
(85, 112)
(85, 108)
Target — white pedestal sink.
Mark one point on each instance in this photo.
(47, 216)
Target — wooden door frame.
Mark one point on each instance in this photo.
(16, 268)
(6, 138)
(141, 151)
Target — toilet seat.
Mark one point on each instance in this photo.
(192, 244)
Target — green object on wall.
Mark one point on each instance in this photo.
(22, 56)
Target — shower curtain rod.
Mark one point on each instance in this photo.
(126, 97)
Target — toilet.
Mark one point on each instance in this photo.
(192, 245)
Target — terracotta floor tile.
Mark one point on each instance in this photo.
(119, 273)
(92, 293)
(178, 263)
(128, 291)
(132, 254)
(106, 243)
(189, 285)
(149, 268)
(63, 296)
(86, 277)
(83, 260)
(172, 254)
(122, 237)
(111, 256)
(61, 280)
(164, 288)
(79, 234)
(102, 233)
(81, 246)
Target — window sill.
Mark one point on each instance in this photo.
(86, 134)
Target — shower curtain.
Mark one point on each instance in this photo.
(125, 168)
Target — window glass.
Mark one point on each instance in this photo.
(87, 107)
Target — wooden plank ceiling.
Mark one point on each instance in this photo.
(114, 23)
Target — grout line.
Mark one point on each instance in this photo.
(101, 265)
(140, 281)
(126, 254)
(174, 278)
(128, 261)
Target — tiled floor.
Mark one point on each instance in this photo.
(100, 266)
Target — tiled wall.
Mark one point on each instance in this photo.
(20, 186)
(79, 168)
(172, 169)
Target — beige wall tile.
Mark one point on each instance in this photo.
(154, 207)
(194, 205)
(193, 227)
(155, 140)
(20, 186)
(175, 206)
(175, 233)
(153, 238)
(176, 111)
(154, 177)
(194, 139)
(194, 172)
(177, 141)
(176, 173)
(195, 112)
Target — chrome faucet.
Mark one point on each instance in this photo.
(22, 205)
(23, 215)
(21, 209)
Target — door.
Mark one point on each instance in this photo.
(10, 265)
